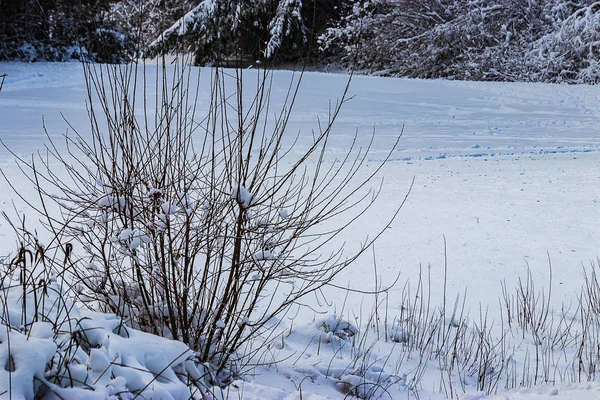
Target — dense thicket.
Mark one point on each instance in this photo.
(531, 40)
(58, 30)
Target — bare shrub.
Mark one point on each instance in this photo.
(201, 227)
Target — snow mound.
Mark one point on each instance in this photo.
(103, 358)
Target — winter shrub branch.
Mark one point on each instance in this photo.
(197, 225)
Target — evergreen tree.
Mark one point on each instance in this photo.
(222, 31)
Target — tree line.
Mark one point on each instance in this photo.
(506, 40)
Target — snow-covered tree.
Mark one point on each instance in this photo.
(220, 31)
(211, 30)
(287, 23)
(143, 21)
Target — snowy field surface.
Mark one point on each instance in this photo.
(506, 183)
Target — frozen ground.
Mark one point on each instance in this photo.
(508, 174)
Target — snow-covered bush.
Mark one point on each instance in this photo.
(193, 227)
(570, 52)
(515, 40)
(439, 38)
(51, 347)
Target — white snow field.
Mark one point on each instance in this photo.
(506, 183)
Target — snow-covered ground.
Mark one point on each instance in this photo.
(506, 180)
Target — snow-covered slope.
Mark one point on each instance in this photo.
(507, 180)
